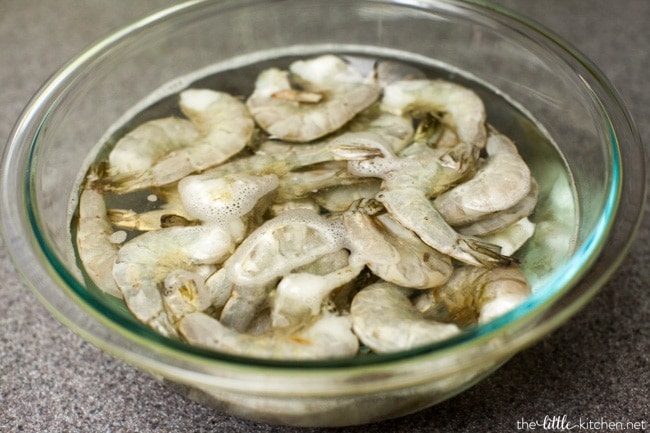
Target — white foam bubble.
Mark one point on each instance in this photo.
(224, 198)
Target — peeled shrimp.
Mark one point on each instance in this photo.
(223, 127)
(333, 94)
(326, 336)
(385, 320)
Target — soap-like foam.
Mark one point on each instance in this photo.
(219, 200)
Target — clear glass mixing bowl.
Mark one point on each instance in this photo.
(570, 98)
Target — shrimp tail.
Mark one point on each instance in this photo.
(487, 254)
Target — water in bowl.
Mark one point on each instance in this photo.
(556, 214)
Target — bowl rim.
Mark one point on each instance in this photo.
(538, 303)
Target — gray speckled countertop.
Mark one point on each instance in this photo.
(594, 367)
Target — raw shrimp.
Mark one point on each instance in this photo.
(385, 320)
(431, 133)
(220, 287)
(327, 263)
(333, 93)
(223, 126)
(141, 148)
(388, 71)
(303, 203)
(95, 245)
(300, 295)
(396, 130)
(262, 171)
(502, 219)
(186, 292)
(475, 294)
(143, 263)
(416, 213)
(223, 199)
(325, 336)
(280, 159)
(197, 199)
(331, 206)
(461, 108)
(290, 240)
(431, 170)
(243, 305)
(502, 182)
(393, 253)
(407, 184)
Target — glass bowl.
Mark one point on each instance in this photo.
(574, 104)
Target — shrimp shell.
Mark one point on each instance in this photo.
(502, 219)
(144, 146)
(344, 95)
(385, 320)
(475, 294)
(462, 109)
(502, 182)
(292, 239)
(224, 128)
(393, 253)
(143, 263)
(96, 250)
(327, 336)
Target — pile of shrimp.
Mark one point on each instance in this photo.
(327, 214)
